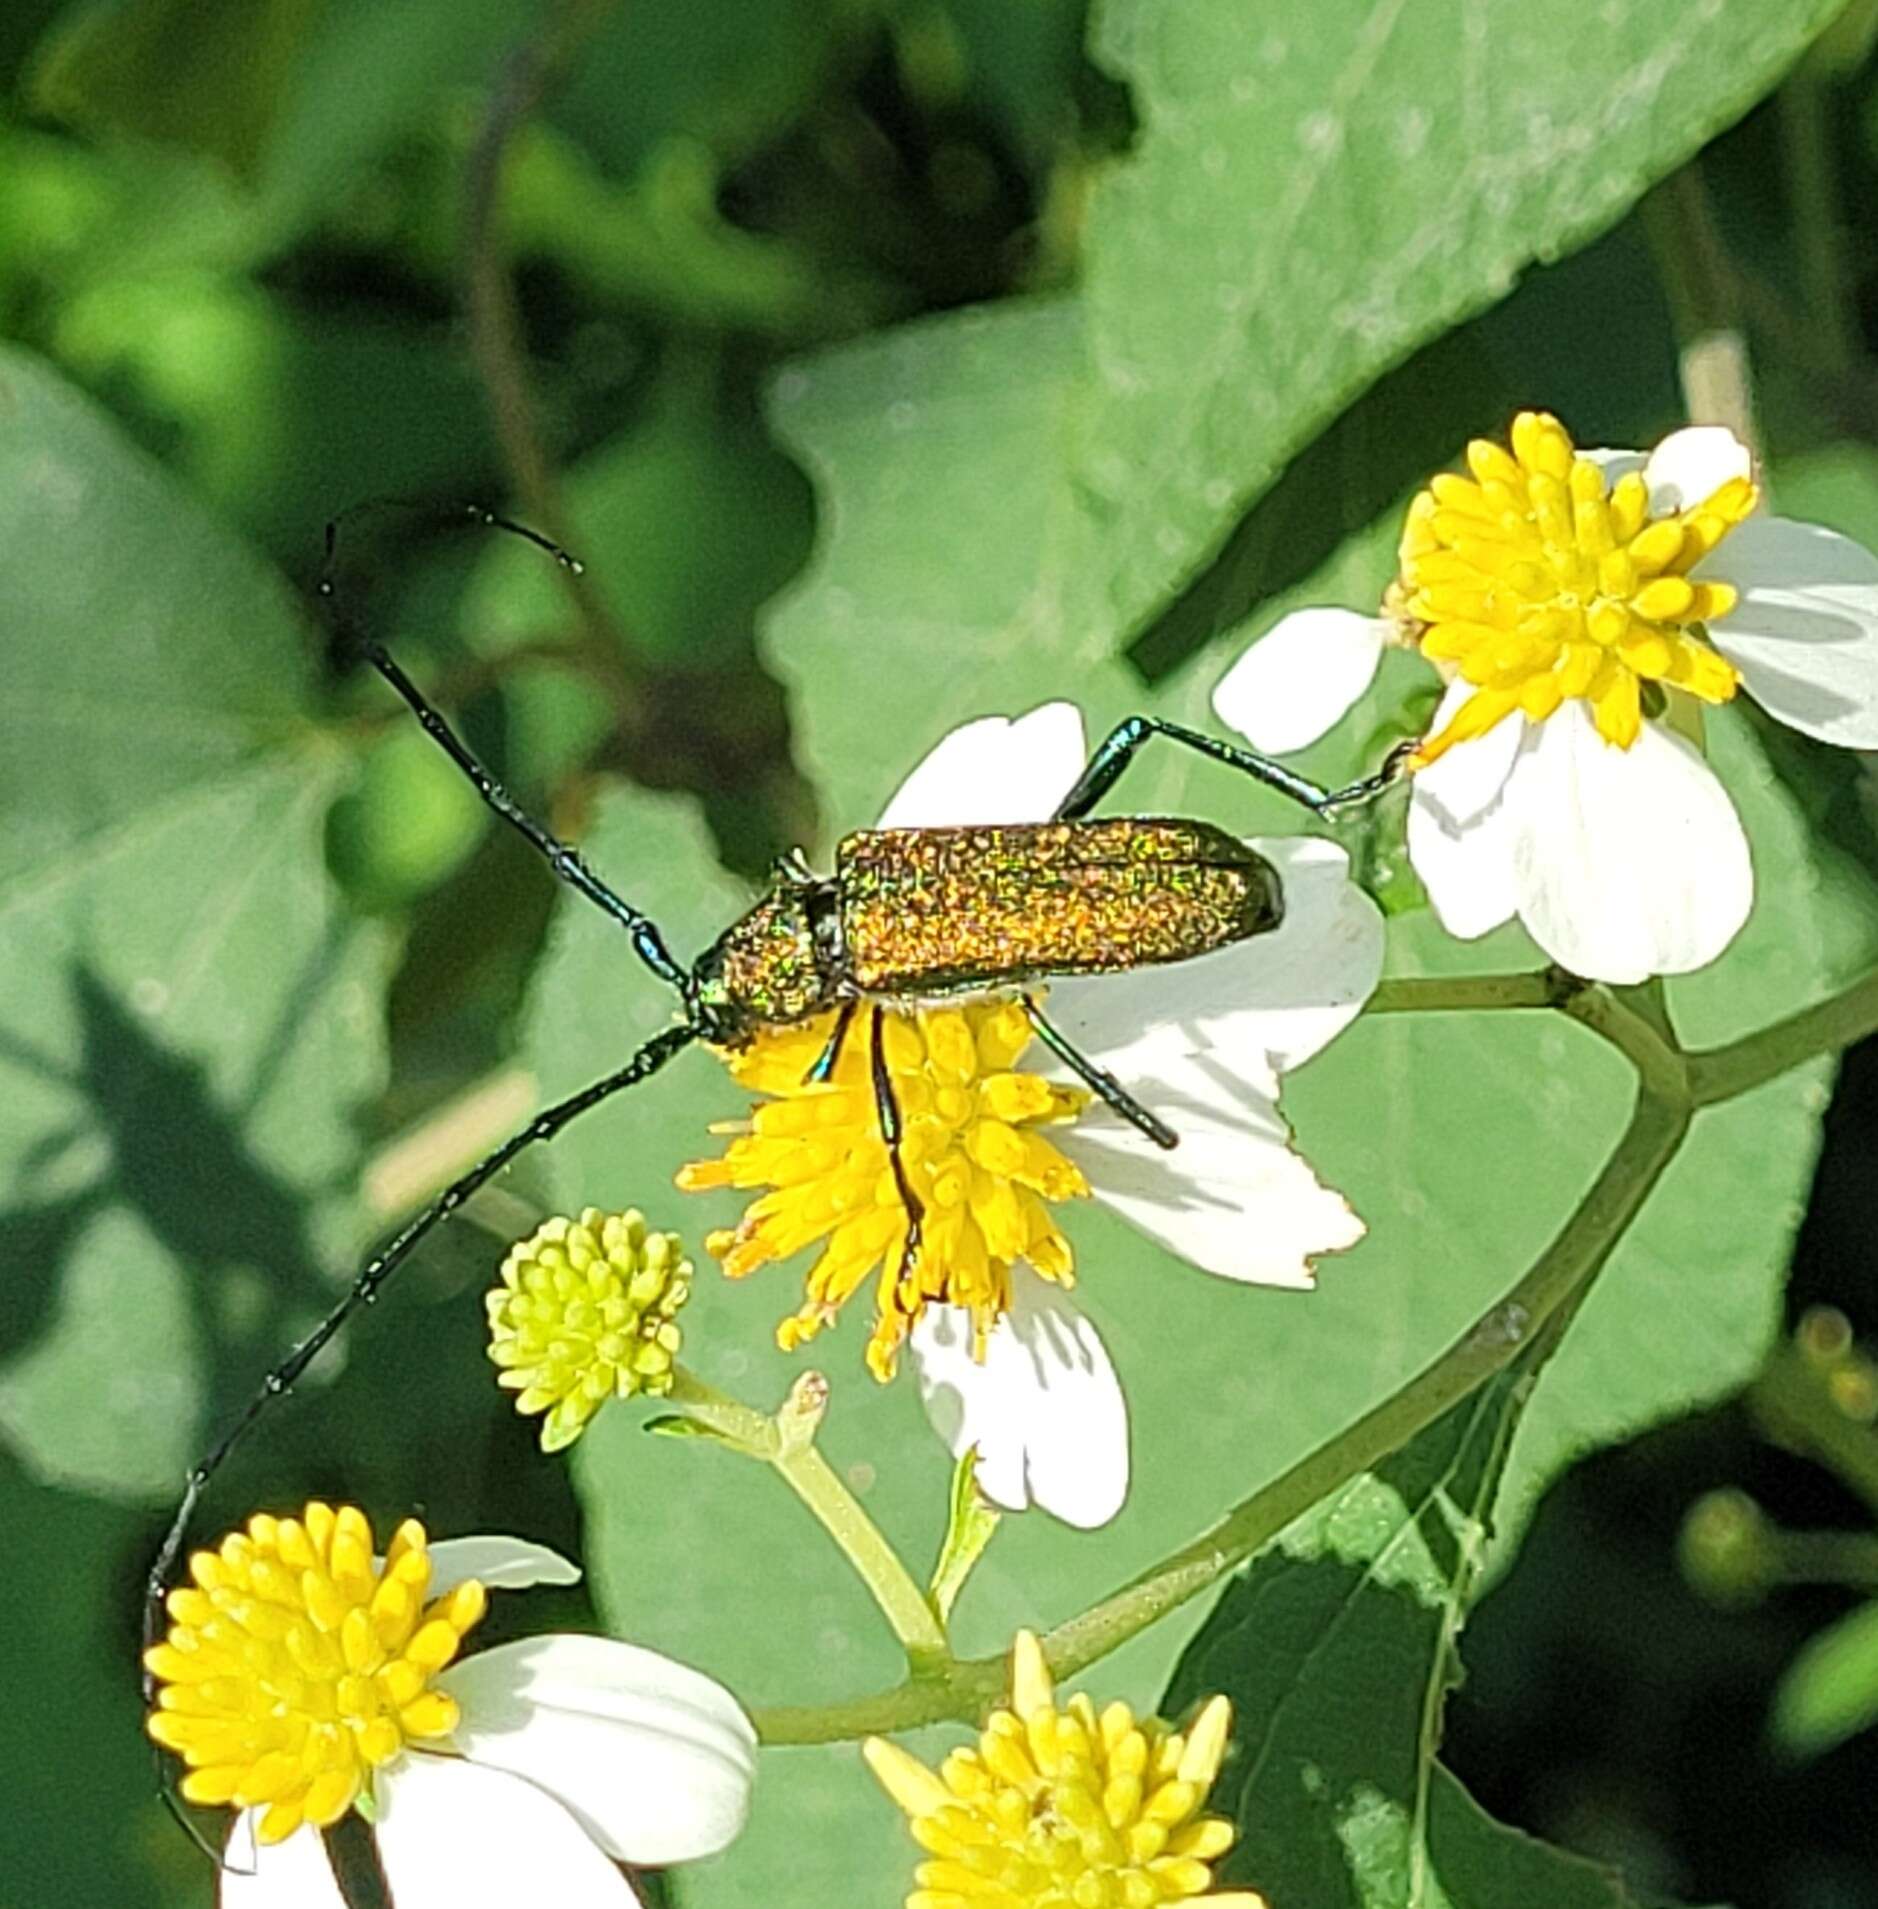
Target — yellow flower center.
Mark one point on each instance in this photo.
(1062, 1807)
(587, 1311)
(297, 1662)
(1538, 584)
(970, 1147)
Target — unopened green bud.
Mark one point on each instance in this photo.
(587, 1311)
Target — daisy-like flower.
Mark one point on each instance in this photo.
(1060, 1805)
(998, 1148)
(303, 1677)
(1584, 606)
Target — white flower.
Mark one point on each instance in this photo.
(1578, 603)
(1006, 1362)
(523, 1773)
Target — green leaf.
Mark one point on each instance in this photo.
(971, 1523)
(297, 126)
(189, 1018)
(729, 78)
(677, 1425)
(208, 77)
(1830, 1690)
(633, 507)
(74, 1707)
(1310, 200)
(1337, 1648)
(956, 560)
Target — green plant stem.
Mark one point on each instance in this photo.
(1720, 1073)
(1793, 1400)
(1827, 1557)
(1440, 993)
(809, 1475)
(1672, 1086)
(1819, 240)
(963, 1690)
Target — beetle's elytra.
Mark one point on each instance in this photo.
(935, 911)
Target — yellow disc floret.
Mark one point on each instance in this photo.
(1537, 582)
(1065, 1807)
(297, 1663)
(972, 1151)
(587, 1311)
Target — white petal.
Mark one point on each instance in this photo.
(1260, 1005)
(997, 769)
(1459, 837)
(1628, 862)
(1805, 633)
(1693, 464)
(1468, 779)
(1232, 1198)
(1300, 678)
(454, 1835)
(1045, 1409)
(294, 1874)
(1613, 463)
(654, 1759)
(498, 1563)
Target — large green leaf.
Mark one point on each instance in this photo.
(1338, 1650)
(295, 97)
(1313, 196)
(956, 561)
(188, 1023)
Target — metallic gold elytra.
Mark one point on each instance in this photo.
(928, 911)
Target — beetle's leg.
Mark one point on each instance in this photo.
(824, 1068)
(365, 1288)
(1103, 769)
(566, 862)
(1099, 1080)
(888, 1110)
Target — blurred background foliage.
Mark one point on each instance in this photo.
(888, 361)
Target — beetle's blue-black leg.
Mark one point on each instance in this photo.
(1099, 1080)
(1119, 746)
(564, 861)
(888, 1111)
(824, 1068)
(366, 1287)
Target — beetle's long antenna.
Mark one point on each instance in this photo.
(365, 1289)
(566, 862)
(1120, 746)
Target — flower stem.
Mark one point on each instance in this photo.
(1721, 1073)
(1795, 1404)
(787, 1443)
(1672, 1085)
(1442, 993)
(962, 1690)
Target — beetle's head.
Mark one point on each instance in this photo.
(765, 970)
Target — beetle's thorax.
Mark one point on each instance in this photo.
(781, 962)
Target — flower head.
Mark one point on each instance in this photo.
(1541, 582)
(587, 1311)
(977, 1153)
(302, 1676)
(1584, 606)
(1060, 1806)
(1001, 1141)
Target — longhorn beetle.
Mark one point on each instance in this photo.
(907, 914)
